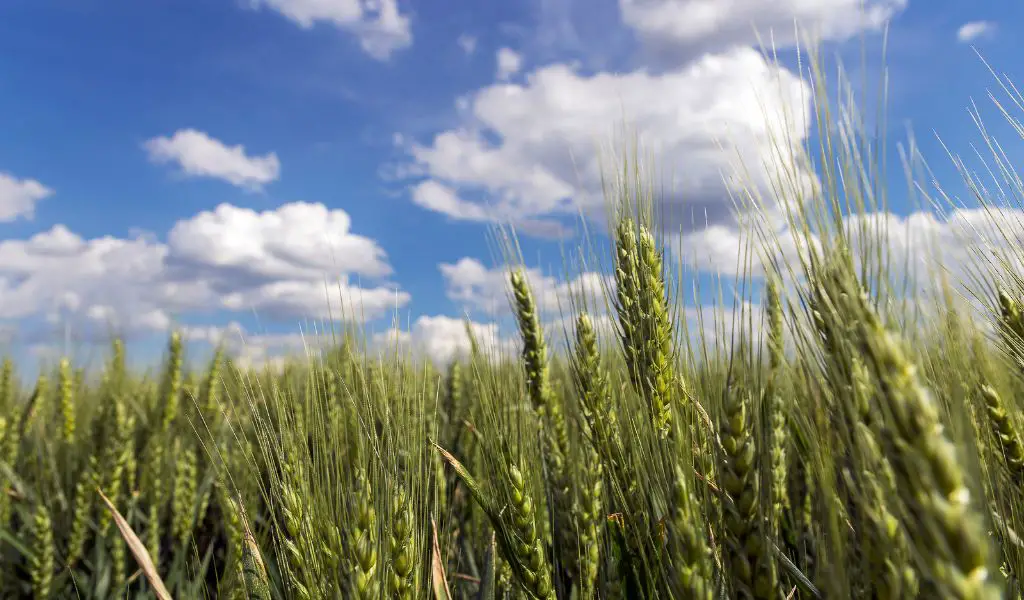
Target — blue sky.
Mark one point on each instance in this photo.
(176, 137)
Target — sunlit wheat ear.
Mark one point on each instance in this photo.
(233, 526)
(66, 403)
(644, 320)
(154, 529)
(695, 565)
(536, 571)
(171, 393)
(118, 558)
(749, 561)
(364, 544)
(1011, 326)
(591, 519)
(881, 537)
(211, 392)
(943, 524)
(776, 407)
(185, 493)
(38, 405)
(891, 573)
(594, 392)
(1005, 432)
(7, 391)
(549, 410)
(295, 537)
(402, 548)
(42, 558)
(627, 302)
(82, 512)
(535, 360)
(601, 430)
(660, 357)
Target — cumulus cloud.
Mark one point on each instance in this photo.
(441, 198)
(479, 288)
(690, 27)
(199, 155)
(57, 270)
(292, 262)
(974, 30)
(442, 338)
(528, 151)
(735, 251)
(965, 242)
(509, 63)
(438, 197)
(299, 240)
(18, 197)
(378, 24)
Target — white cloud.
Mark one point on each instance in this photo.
(694, 26)
(966, 242)
(378, 24)
(442, 338)
(18, 197)
(969, 32)
(199, 155)
(293, 262)
(734, 251)
(300, 240)
(317, 299)
(509, 63)
(438, 197)
(441, 198)
(527, 152)
(478, 288)
(467, 43)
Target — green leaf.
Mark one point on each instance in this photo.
(488, 584)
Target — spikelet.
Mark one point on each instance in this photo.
(82, 511)
(171, 391)
(7, 386)
(1005, 433)
(605, 447)
(66, 404)
(154, 530)
(364, 544)
(296, 529)
(185, 493)
(644, 322)
(749, 561)
(891, 574)
(942, 523)
(777, 411)
(403, 548)
(694, 574)
(549, 411)
(42, 562)
(117, 458)
(37, 405)
(533, 569)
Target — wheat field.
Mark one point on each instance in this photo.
(843, 431)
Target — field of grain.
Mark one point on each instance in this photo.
(846, 434)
